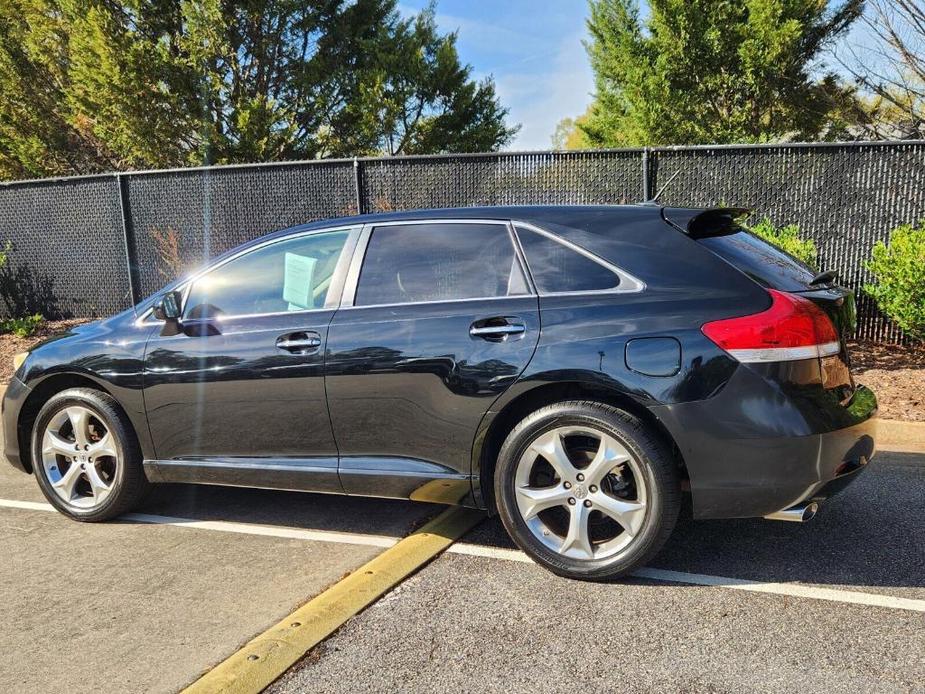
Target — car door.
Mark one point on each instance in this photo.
(438, 319)
(237, 396)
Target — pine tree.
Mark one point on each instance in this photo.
(716, 71)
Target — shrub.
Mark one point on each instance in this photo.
(899, 278)
(788, 239)
(21, 327)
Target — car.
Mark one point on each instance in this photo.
(579, 370)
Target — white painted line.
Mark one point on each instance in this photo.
(230, 527)
(790, 589)
(796, 590)
(26, 505)
(266, 530)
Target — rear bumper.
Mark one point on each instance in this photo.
(752, 450)
(13, 399)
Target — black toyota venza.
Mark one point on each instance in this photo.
(575, 369)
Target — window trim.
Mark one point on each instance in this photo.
(348, 298)
(335, 291)
(629, 284)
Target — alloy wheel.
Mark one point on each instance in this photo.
(80, 456)
(581, 492)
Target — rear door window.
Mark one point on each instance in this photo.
(411, 263)
(558, 268)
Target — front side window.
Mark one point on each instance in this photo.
(558, 268)
(290, 275)
(410, 263)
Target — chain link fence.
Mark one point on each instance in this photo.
(90, 246)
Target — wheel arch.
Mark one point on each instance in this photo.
(39, 395)
(496, 427)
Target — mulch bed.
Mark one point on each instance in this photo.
(10, 345)
(895, 373)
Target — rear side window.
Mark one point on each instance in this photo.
(558, 268)
(766, 264)
(410, 263)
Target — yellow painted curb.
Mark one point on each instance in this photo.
(270, 654)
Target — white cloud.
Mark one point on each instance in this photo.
(539, 99)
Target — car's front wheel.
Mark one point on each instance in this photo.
(586, 489)
(86, 457)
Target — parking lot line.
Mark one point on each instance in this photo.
(853, 597)
(788, 589)
(269, 655)
(231, 527)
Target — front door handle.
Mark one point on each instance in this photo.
(497, 329)
(304, 342)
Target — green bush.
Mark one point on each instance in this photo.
(788, 239)
(21, 327)
(899, 278)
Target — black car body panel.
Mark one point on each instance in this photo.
(401, 400)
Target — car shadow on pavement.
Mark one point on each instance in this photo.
(872, 534)
(329, 512)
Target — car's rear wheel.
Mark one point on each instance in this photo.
(586, 489)
(86, 457)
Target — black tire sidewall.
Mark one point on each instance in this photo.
(108, 412)
(653, 461)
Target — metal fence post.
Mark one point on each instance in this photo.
(646, 193)
(358, 182)
(128, 239)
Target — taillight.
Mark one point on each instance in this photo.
(793, 328)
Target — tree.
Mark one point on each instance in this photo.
(92, 85)
(569, 134)
(890, 69)
(716, 71)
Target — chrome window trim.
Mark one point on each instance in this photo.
(629, 284)
(348, 298)
(332, 299)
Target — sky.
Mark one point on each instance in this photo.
(533, 50)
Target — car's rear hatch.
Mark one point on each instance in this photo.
(720, 232)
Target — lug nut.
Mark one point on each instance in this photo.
(587, 503)
(571, 501)
(580, 477)
(567, 485)
(593, 489)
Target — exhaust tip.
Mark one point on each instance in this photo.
(801, 513)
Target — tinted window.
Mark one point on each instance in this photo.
(558, 268)
(438, 262)
(760, 260)
(291, 275)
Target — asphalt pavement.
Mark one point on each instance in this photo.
(468, 623)
(152, 601)
(148, 606)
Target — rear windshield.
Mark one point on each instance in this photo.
(761, 261)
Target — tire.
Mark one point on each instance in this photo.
(629, 474)
(102, 477)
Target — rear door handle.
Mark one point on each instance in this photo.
(304, 342)
(497, 329)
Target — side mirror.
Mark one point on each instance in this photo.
(167, 309)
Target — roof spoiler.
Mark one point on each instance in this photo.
(699, 223)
